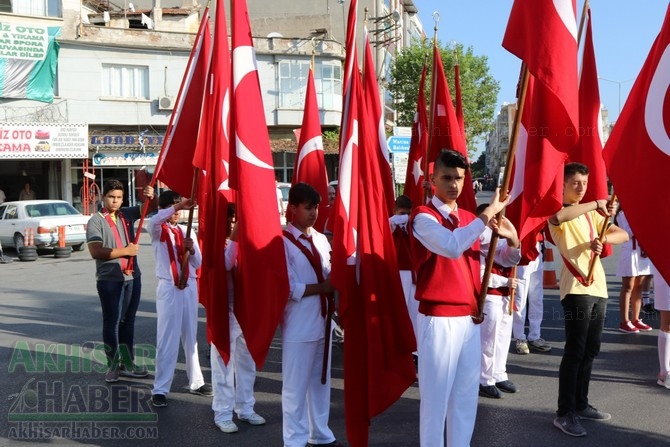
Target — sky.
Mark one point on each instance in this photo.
(623, 32)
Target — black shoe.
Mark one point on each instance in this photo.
(648, 309)
(506, 386)
(205, 390)
(489, 391)
(159, 400)
(333, 444)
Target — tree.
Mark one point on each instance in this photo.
(478, 168)
(479, 89)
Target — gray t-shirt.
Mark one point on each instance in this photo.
(98, 230)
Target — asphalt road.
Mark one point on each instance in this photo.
(52, 381)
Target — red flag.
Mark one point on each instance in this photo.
(459, 98)
(310, 166)
(344, 215)
(446, 132)
(543, 34)
(374, 108)
(637, 154)
(174, 164)
(417, 148)
(211, 157)
(589, 149)
(261, 286)
(378, 365)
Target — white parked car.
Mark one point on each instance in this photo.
(44, 217)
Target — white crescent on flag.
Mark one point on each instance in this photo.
(313, 144)
(243, 153)
(244, 62)
(653, 109)
(567, 16)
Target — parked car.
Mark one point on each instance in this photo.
(44, 217)
(284, 188)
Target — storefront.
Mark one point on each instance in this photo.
(40, 155)
(126, 156)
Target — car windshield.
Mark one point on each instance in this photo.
(51, 209)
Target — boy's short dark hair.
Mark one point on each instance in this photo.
(573, 168)
(303, 193)
(168, 198)
(112, 185)
(448, 158)
(403, 202)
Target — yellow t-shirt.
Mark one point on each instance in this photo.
(573, 239)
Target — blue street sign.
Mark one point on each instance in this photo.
(398, 144)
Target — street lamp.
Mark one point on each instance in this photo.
(619, 84)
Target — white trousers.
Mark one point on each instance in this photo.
(409, 289)
(449, 363)
(177, 318)
(305, 401)
(233, 384)
(529, 300)
(496, 334)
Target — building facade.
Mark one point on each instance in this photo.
(119, 70)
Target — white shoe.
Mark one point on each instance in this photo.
(253, 419)
(522, 347)
(664, 380)
(227, 426)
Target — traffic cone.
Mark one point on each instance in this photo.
(30, 237)
(61, 236)
(549, 275)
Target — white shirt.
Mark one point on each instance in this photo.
(505, 256)
(302, 319)
(438, 239)
(163, 268)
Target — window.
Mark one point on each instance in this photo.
(41, 8)
(293, 84)
(125, 81)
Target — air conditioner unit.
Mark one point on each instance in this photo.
(165, 103)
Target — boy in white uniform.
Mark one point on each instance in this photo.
(234, 383)
(496, 329)
(176, 304)
(305, 400)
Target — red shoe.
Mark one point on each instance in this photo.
(641, 325)
(628, 328)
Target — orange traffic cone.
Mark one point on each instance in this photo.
(29, 237)
(61, 236)
(549, 275)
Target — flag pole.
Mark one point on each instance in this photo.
(433, 92)
(582, 20)
(601, 238)
(183, 279)
(523, 86)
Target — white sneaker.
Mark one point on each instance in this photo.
(253, 419)
(522, 347)
(227, 426)
(664, 380)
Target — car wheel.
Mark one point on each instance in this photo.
(78, 247)
(62, 252)
(18, 241)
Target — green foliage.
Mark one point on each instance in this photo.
(478, 88)
(478, 168)
(332, 135)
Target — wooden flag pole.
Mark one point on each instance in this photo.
(601, 238)
(183, 279)
(431, 118)
(523, 86)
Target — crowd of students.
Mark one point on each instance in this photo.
(462, 348)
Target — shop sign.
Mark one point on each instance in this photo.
(130, 158)
(47, 141)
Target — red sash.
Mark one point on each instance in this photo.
(571, 268)
(315, 261)
(179, 239)
(126, 266)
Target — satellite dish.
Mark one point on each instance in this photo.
(396, 16)
(105, 16)
(274, 34)
(131, 7)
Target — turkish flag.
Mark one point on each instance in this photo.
(378, 365)
(261, 283)
(417, 148)
(174, 162)
(446, 131)
(543, 35)
(310, 166)
(374, 109)
(211, 157)
(637, 154)
(344, 215)
(589, 149)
